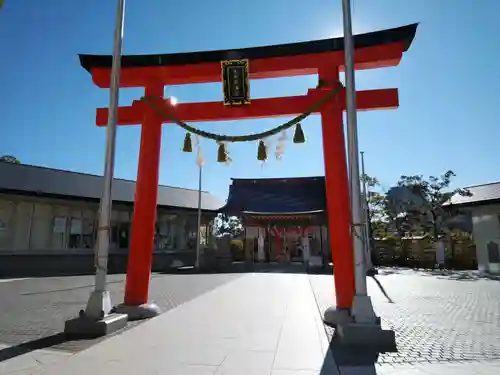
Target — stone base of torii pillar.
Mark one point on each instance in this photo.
(363, 331)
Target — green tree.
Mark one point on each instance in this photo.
(9, 159)
(377, 215)
(377, 204)
(417, 208)
(424, 211)
(228, 225)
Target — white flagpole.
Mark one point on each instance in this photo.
(198, 236)
(199, 161)
(362, 309)
(100, 301)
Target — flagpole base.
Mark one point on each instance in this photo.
(96, 320)
(84, 326)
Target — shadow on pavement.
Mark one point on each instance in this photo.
(30, 346)
(382, 289)
(458, 275)
(353, 359)
(242, 267)
(54, 342)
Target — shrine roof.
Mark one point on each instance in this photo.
(276, 196)
(403, 34)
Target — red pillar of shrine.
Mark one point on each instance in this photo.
(337, 196)
(277, 240)
(144, 217)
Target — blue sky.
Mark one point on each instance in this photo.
(448, 82)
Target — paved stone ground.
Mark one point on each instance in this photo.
(261, 323)
(437, 317)
(447, 322)
(34, 310)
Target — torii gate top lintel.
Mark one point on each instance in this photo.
(374, 50)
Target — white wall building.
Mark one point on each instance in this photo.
(48, 221)
(484, 205)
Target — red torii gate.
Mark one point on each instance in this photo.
(324, 58)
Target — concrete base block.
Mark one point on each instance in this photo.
(334, 316)
(89, 327)
(145, 311)
(362, 310)
(367, 335)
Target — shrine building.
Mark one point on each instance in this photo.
(284, 219)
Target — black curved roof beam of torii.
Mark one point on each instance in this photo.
(404, 34)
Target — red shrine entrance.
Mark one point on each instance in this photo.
(323, 57)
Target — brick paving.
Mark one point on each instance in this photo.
(476, 367)
(36, 309)
(437, 318)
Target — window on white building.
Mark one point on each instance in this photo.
(123, 234)
(4, 230)
(88, 233)
(58, 240)
(75, 233)
(41, 227)
(7, 216)
(120, 228)
(166, 232)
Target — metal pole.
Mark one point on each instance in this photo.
(352, 144)
(95, 307)
(367, 238)
(197, 264)
(362, 308)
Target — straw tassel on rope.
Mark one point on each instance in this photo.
(298, 136)
(262, 151)
(188, 144)
(221, 153)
